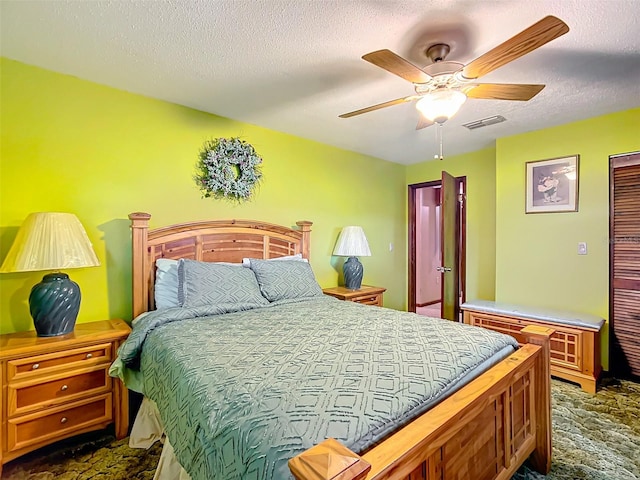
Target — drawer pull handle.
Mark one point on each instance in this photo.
(89, 355)
(63, 420)
(35, 366)
(64, 387)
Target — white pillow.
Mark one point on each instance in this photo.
(166, 287)
(246, 262)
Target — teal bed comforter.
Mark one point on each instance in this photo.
(243, 388)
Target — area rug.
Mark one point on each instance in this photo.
(595, 437)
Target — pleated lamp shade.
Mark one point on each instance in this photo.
(352, 243)
(52, 241)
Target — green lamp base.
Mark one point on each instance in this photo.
(352, 270)
(54, 304)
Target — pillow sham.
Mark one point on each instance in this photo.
(205, 283)
(166, 285)
(285, 279)
(246, 262)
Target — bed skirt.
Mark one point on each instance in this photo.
(147, 429)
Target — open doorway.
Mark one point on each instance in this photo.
(427, 268)
(428, 255)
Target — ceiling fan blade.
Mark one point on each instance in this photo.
(379, 106)
(423, 123)
(397, 65)
(502, 91)
(547, 29)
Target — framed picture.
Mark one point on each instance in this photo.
(552, 185)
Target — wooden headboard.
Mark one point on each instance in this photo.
(209, 241)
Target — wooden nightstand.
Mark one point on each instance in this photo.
(57, 387)
(365, 294)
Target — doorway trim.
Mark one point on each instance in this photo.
(412, 237)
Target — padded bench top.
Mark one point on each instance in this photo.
(582, 320)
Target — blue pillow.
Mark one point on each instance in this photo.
(285, 279)
(207, 283)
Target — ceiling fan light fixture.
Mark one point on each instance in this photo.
(440, 105)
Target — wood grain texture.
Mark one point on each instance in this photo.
(574, 351)
(378, 106)
(538, 34)
(624, 274)
(397, 65)
(366, 294)
(541, 456)
(329, 460)
(457, 421)
(208, 241)
(498, 91)
(57, 387)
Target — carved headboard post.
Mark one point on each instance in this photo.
(305, 228)
(139, 230)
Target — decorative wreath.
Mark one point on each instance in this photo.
(228, 168)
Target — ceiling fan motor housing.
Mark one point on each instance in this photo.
(438, 52)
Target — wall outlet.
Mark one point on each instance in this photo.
(582, 248)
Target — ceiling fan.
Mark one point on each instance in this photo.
(443, 86)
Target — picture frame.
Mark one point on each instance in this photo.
(552, 185)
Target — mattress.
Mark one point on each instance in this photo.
(241, 390)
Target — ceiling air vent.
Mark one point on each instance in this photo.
(485, 122)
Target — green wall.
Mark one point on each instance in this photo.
(72, 145)
(101, 153)
(480, 169)
(537, 262)
(532, 259)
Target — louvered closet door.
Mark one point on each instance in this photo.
(625, 265)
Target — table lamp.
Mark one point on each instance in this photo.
(52, 241)
(352, 243)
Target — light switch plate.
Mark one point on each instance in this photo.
(582, 248)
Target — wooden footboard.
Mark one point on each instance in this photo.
(486, 430)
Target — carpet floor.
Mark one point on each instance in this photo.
(595, 437)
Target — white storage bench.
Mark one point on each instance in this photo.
(575, 345)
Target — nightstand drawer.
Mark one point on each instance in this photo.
(370, 300)
(44, 364)
(365, 295)
(36, 428)
(31, 395)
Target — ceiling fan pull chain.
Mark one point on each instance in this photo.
(439, 139)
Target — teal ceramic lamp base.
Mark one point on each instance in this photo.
(54, 304)
(353, 271)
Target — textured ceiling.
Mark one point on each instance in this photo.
(294, 65)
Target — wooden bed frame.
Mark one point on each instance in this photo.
(485, 430)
